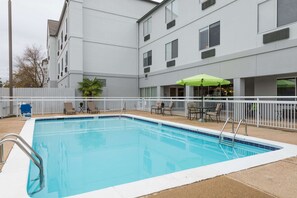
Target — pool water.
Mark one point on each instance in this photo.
(82, 155)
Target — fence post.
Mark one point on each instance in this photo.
(104, 103)
(1, 108)
(122, 105)
(17, 104)
(186, 108)
(42, 105)
(258, 113)
(227, 108)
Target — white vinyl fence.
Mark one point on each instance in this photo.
(27, 95)
(272, 112)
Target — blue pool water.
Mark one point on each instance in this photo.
(82, 155)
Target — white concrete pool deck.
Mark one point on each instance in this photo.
(15, 171)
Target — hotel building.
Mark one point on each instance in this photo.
(141, 48)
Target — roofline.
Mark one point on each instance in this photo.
(48, 26)
(62, 15)
(67, 1)
(153, 10)
(153, 2)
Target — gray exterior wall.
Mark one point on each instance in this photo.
(271, 60)
(241, 54)
(105, 41)
(117, 85)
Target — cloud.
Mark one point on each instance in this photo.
(29, 26)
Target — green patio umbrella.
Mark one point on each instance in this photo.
(203, 80)
(285, 83)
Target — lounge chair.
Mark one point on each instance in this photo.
(215, 113)
(26, 111)
(169, 108)
(158, 107)
(92, 107)
(68, 108)
(193, 110)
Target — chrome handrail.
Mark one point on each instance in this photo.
(222, 130)
(238, 126)
(38, 163)
(24, 142)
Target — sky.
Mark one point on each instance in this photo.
(29, 19)
(29, 26)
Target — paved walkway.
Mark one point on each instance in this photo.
(272, 180)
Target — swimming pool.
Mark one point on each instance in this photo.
(87, 154)
(175, 138)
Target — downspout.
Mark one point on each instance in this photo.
(138, 61)
(68, 35)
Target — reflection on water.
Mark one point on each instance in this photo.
(86, 155)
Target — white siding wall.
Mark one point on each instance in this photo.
(110, 46)
(102, 39)
(239, 31)
(52, 62)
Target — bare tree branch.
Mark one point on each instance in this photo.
(30, 72)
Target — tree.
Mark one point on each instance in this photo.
(30, 72)
(1, 83)
(90, 88)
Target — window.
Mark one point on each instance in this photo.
(209, 36)
(66, 59)
(66, 26)
(61, 39)
(171, 50)
(286, 87)
(58, 45)
(147, 27)
(147, 58)
(266, 16)
(286, 12)
(59, 69)
(148, 92)
(276, 13)
(62, 66)
(171, 11)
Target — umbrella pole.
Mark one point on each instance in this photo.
(202, 109)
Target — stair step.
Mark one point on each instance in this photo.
(228, 143)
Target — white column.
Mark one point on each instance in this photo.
(189, 91)
(160, 91)
(239, 86)
(239, 109)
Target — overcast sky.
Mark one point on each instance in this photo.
(29, 26)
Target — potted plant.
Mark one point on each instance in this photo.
(90, 88)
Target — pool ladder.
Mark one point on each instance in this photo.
(26, 148)
(221, 137)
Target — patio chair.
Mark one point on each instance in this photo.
(26, 111)
(215, 113)
(92, 107)
(169, 108)
(158, 107)
(124, 109)
(193, 110)
(68, 108)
